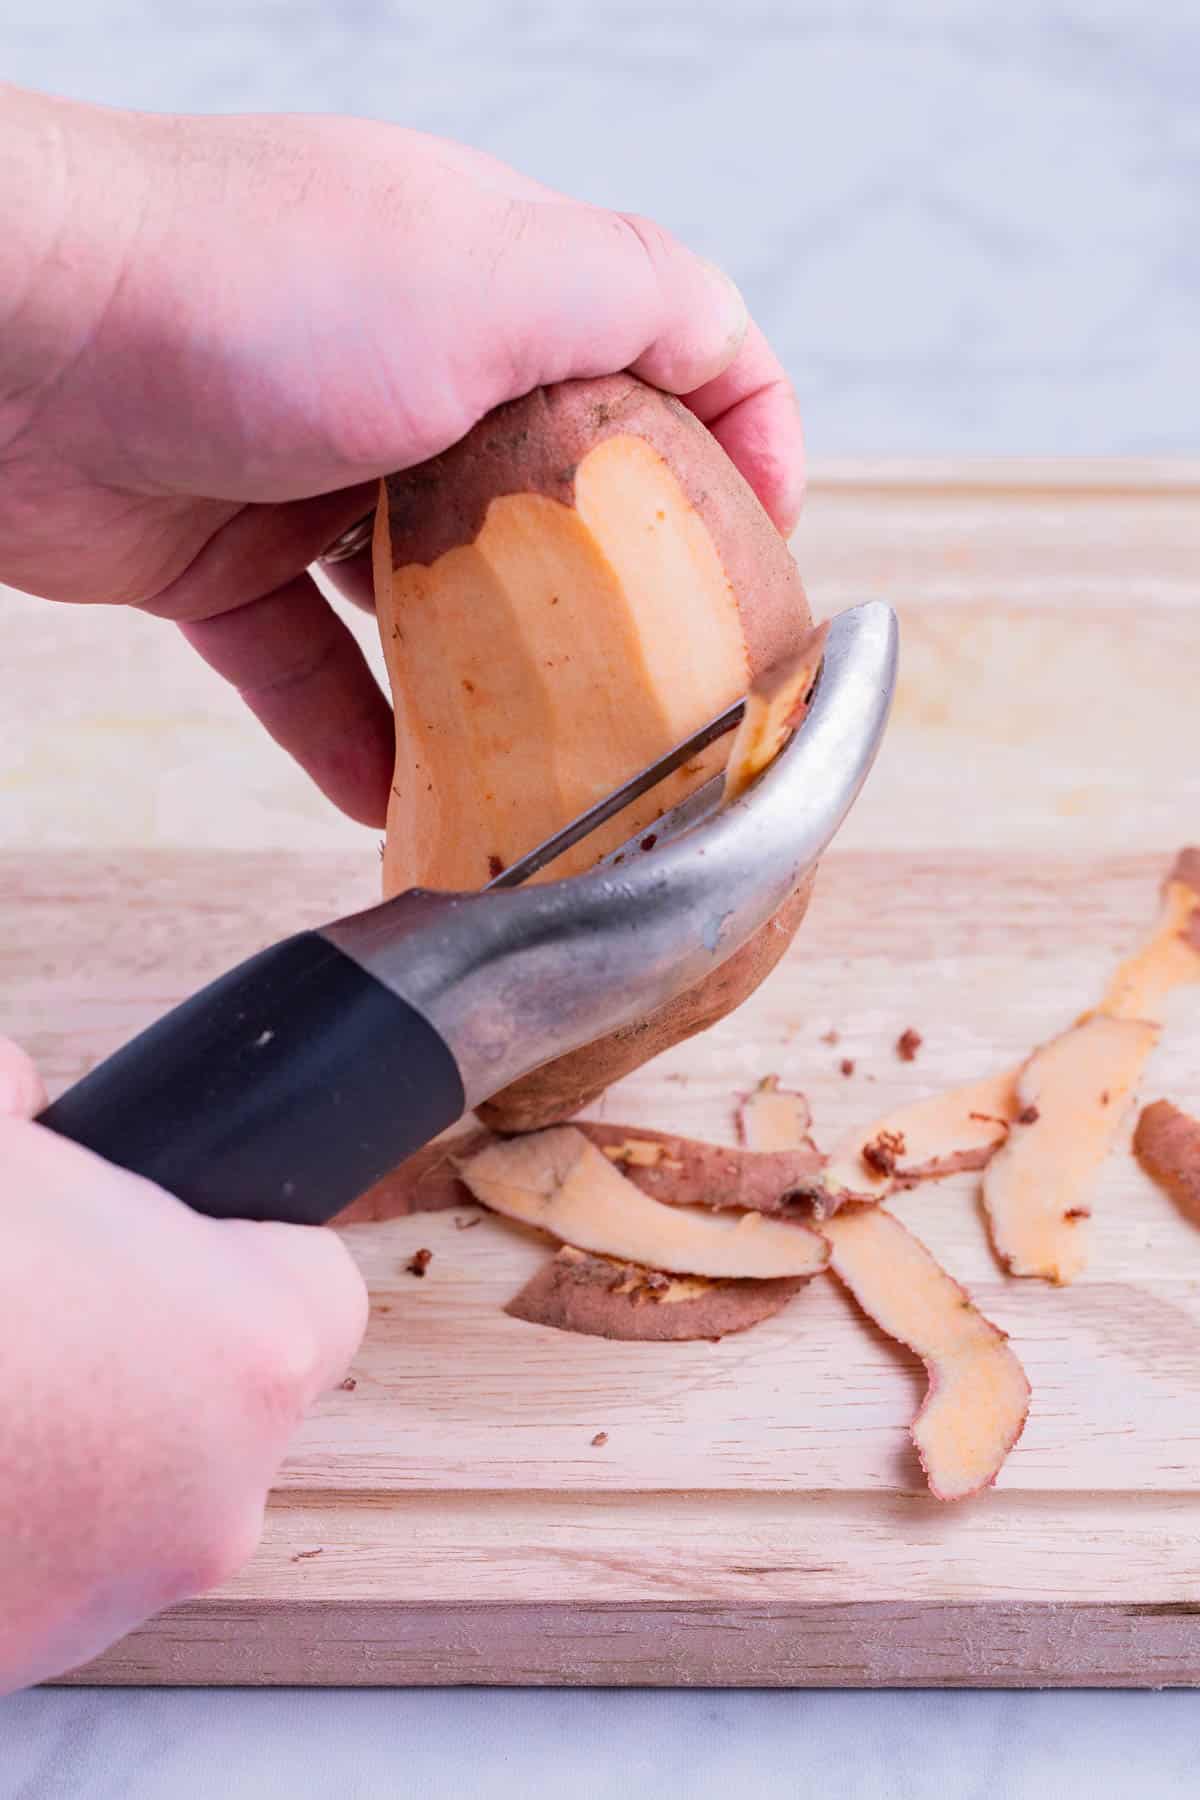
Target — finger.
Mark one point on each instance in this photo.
(484, 170)
(578, 291)
(324, 1277)
(21, 1091)
(300, 671)
(258, 550)
(751, 410)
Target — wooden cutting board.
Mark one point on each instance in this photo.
(756, 1514)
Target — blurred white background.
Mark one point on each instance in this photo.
(970, 226)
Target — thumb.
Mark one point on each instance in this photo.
(580, 291)
(21, 1090)
(321, 1275)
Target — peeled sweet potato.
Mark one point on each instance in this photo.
(571, 590)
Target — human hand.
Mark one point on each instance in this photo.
(155, 1364)
(228, 328)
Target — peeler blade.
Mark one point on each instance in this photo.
(551, 848)
(513, 979)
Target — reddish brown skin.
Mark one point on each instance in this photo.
(1167, 1144)
(881, 1154)
(1187, 868)
(779, 1182)
(535, 445)
(954, 1162)
(774, 1181)
(579, 1294)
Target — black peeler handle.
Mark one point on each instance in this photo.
(280, 1091)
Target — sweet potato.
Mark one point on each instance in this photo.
(564, 595)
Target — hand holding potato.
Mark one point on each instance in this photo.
(227, 328)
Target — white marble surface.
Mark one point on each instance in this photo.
(970, 228)
(599, 1745)
(969, 225)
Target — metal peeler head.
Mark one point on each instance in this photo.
(513, 977)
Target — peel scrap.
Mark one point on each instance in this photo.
(961, 1128)
(771, 1117)
(1167, 1144)
(978, 1397)
(1170, 957)
(600, 1296)
(559, 1182)
(1073, 1092)
(688, 1172)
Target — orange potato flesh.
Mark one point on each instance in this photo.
(978, 1397)
(640, 1153)
(959, 1129)
(773, 1118)
(774, 707)
(1169, 958)
(560, 652)
(561, 1183)
(1073, 1091)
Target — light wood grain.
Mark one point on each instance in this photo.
(756, 1514)
(769, 1476)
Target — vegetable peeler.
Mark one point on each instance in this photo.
(291, 1084)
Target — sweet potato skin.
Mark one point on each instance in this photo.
(1167, 1144)
(535, 445)
(690, 1173)
(596, 1296)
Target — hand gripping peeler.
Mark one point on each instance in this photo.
(288, 1086)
